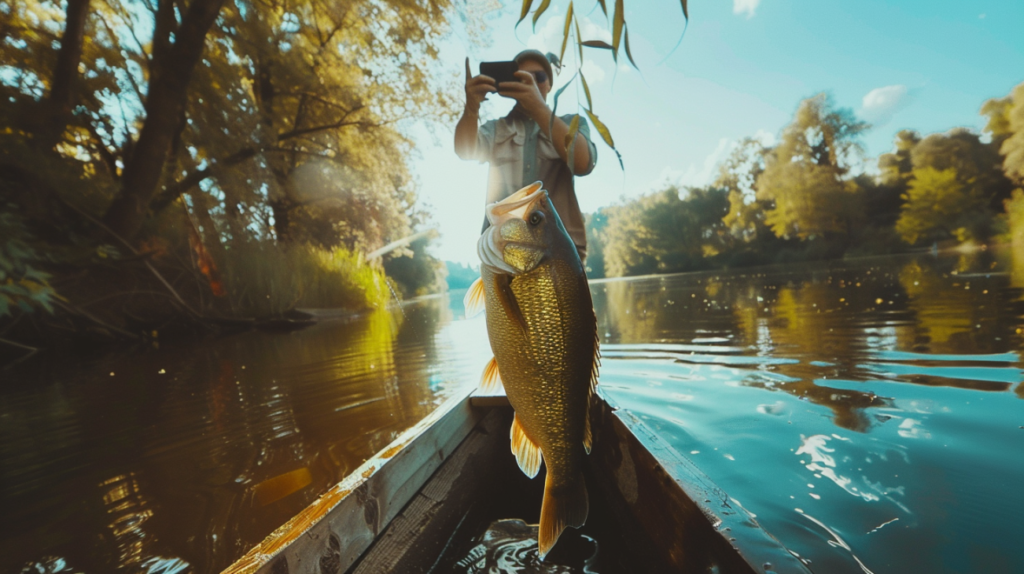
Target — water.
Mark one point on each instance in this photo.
(868, 413)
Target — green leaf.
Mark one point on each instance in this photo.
(574, 128)
(565, 33)
(526, 10)
(540, 10)
(628, 53)
(602, 129)
(586, 89)
(579, 40)
(617, 23)
(554, 110)
(598, 44)
(570, 142)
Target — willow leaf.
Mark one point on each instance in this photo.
(570, 141)
(605, 8)
(565, 33)
(598, 44)
(579, 40)
(586, 89)
(526, 10)
(686, 13)
(617, 23)
(554, 110)
(628, 53)
(540, 10)
(601, 129)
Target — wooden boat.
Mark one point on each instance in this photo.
(411, 507)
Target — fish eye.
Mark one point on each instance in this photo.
(536, 218)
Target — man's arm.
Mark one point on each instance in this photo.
(526, 93)
(477, 89)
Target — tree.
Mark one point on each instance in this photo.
(664, 233)
(1006, 124)
(940, 204)
(808, 174)
(739, 175)
(954, 189)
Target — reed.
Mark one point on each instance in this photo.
(266, 279)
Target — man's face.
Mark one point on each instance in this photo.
(534, 67)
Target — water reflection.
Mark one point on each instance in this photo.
(858, 408)
(180, 459)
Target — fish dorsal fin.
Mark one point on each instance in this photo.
(490, 380)
(474, 300)
(528, 454)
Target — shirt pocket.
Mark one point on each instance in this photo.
(508, 145)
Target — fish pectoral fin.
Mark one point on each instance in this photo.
(474, 300)
(508, 302)
(490, 379)
(528, 453)
(566, 506)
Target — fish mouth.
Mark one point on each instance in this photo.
(517, 204)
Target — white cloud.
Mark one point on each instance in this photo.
(745, 7)
(593, 72)
(693, 175)
(880, 104)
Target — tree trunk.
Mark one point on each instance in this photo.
(65, 75)
(165, 102)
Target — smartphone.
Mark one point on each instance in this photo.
(500, 71)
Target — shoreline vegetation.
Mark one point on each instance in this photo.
(813, 196)
(173, 168)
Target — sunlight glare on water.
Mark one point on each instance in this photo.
(868, 413)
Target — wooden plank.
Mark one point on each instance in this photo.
(688, 519)
(417, 538)
(329, 535)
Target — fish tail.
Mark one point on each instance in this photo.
(565, 506)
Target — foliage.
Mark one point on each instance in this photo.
(263, 279)
(417, 272)
(665, 233)
(740, 174)
(806, 175)
(572, 38)
(460, 276)
(1006, 124)
(268, 134)
(940, 204)
(596, 228)
(22, 286)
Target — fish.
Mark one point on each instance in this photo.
(543, 332)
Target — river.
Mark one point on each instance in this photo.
(869, 414)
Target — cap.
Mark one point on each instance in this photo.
(535, 56)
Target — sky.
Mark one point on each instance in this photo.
(741, 69)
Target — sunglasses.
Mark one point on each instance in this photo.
(540, 76)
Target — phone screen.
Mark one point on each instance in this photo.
(500, 71)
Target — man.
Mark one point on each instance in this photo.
(520, 146)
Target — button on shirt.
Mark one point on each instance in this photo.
(520, 154)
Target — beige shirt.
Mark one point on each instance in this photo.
(520, 154)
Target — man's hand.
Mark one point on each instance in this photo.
(477, 88)
(525, 92)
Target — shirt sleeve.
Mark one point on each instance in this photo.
(584, 130)
(485, 141)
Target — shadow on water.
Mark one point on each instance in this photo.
(179, 460)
